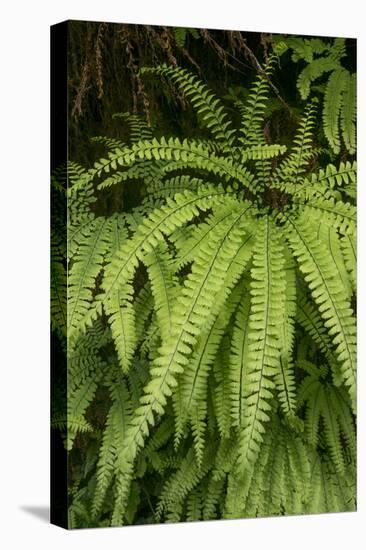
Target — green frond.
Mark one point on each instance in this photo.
(80, 193)
(144, 170)
(278, 480)
(251, 128)
(162, 221)
(329, 236)
(79, 398)
(322, 183)
(340, 215)
(221, 394)
(114, 432)
(284, 378)
(171, 186)
(293, 167)
(164, 286)
(338, 49)
(75, 235)
(332, 106)
(207, 106)
(266, 313)
(239, 362)
(87, 264)
(252, 120)
(316, 264)
(181, 34)
(330, 492)
(261, 152)
(312, 72)
(139, 128)
(201, 288)
(193, 382)
(180, 484)
(192, 153)
(212, 498)
(110, 143)
(348, 113)
(331, 404)
(348, 246)
(119, 307)
(143, 305)
(194, 505)
(301, 48)
(310, 319)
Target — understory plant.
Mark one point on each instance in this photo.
(210, 329)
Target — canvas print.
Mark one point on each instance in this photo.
(203, 274)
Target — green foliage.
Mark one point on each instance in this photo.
(214, 320)
(182, 33)
(339, 108)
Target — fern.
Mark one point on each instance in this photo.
(211, 335)
(267, 307)
(339, 109)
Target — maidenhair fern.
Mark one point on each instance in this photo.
(214, 322)
(339, 107)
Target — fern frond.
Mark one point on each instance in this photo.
(109, 143)
(328, 235)
(164, 286)
(284, 378)
(310, 319)
(87, 264)
(194, 505)
(194, 154)
(193, 307)
(261, 152)
(180, 484)
(340, 215)
(293, 167)
(212, 498)
(328, 492)
(161, 221)
(239, 362)
(322, 183)
(348, 246)
(316, 264)
(193, 383)
(331, 404)
(79, 398)
(210, 109)
(143, 170)
(114, 432)
(312, 72)
(119, 307)
(171, 186)
(221, 394)
(139, 128)
(189, 246)
(252, 118)
(267, 310)
(348, 113)
(332, 106)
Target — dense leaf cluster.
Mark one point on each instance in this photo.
(210, 330)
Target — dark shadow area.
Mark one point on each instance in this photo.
(40, 512)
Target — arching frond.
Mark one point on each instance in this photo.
(267, 310)
(203, 100)
(316, 264)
